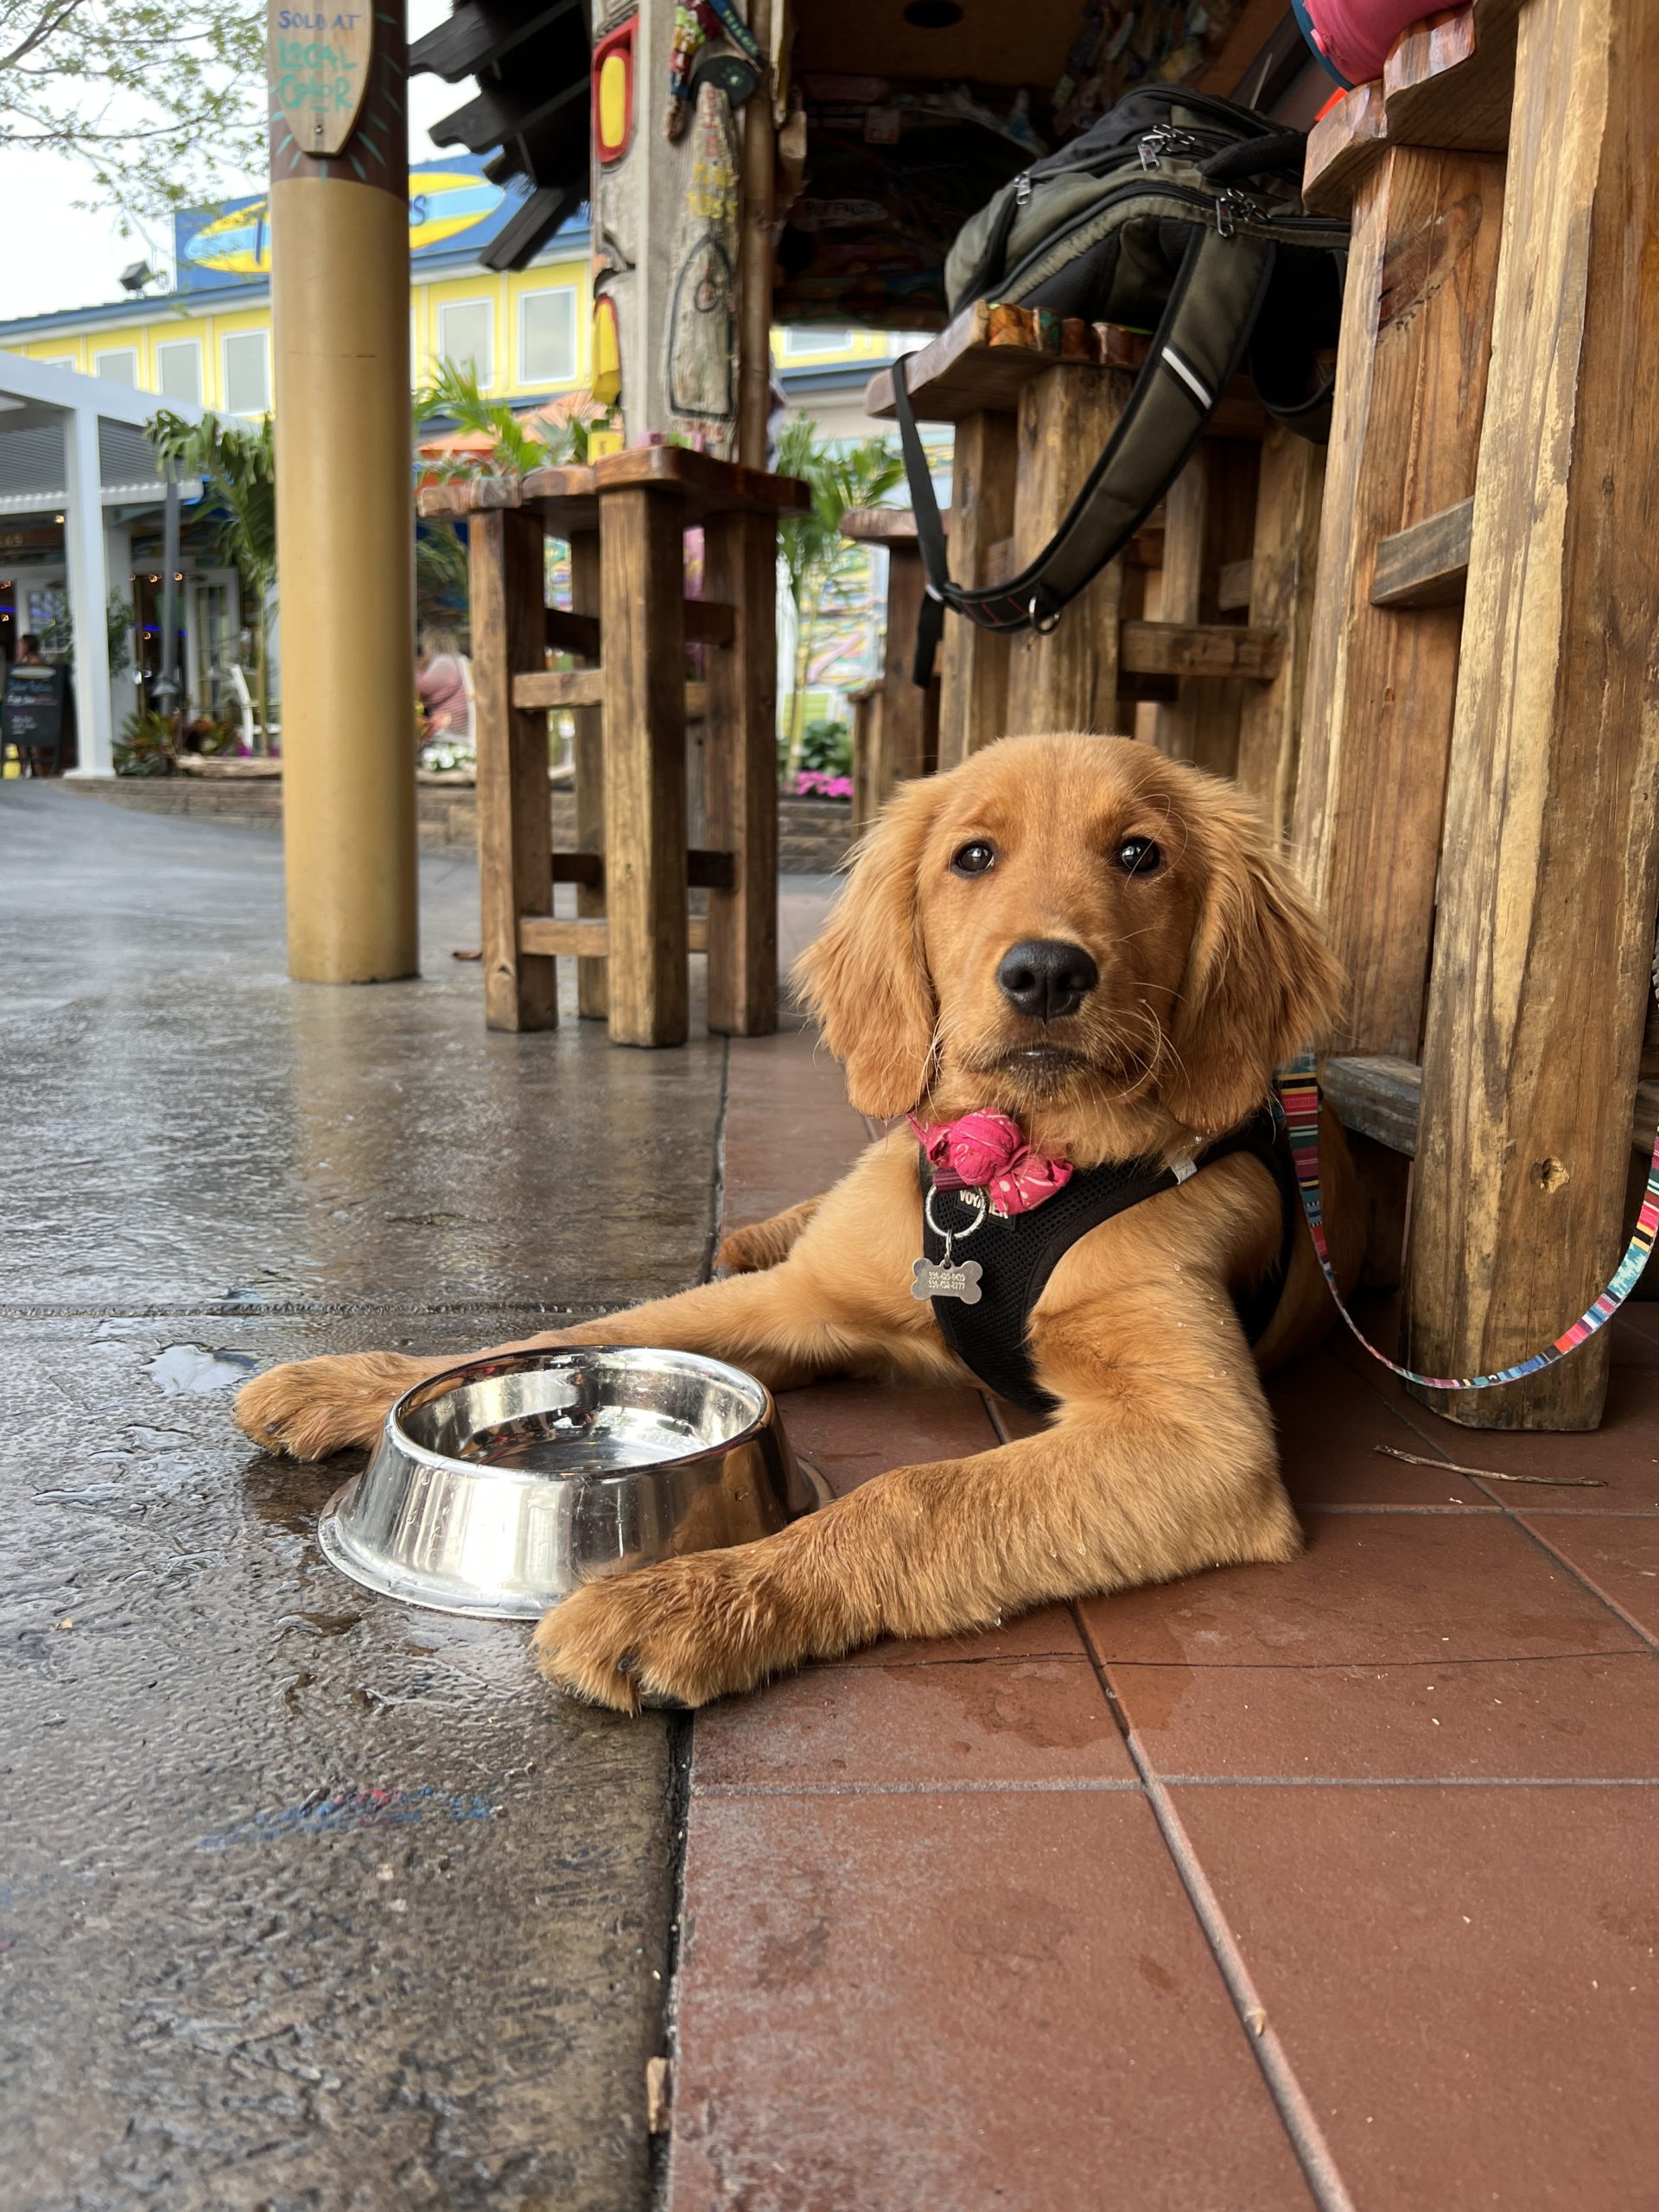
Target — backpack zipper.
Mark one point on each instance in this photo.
(1228, 208)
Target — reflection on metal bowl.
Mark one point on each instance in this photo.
(497, 1487)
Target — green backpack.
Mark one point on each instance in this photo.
(1179, 214)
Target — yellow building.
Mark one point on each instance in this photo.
(525, 334)
(208, 339)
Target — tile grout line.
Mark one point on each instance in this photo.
(682, 1747)
(1290, 2101)
(1514, 1515)
(1583, 1580)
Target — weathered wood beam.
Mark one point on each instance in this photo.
(1382, 1098)
(973, 662)
(515, 814)
(1068, 679)
(476, 36)
(1225, 649)
(1426, 565)
(706, 868)
(1282, 572)
(1544, 940)
(1376, 726)
(542, 939)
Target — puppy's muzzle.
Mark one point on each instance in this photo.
(1046, 978)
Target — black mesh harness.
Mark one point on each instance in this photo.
(1018, 1253)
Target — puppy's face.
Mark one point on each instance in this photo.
(1065, 924)
(1058, 892)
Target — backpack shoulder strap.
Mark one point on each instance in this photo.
(1212, 312)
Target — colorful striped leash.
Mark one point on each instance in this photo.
(1299, 1098)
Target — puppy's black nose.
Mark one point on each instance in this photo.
(1046, 978)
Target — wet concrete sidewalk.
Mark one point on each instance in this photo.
(305, 1900)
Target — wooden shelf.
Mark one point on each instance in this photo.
(1426, 565)
(987, 356)
(1381, 1098)
(1218, 649)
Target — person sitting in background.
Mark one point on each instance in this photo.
(28, 651)
(440, 685)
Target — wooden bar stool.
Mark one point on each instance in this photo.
(626, 517)
(1033, 400)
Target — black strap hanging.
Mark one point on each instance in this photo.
(1212, 311)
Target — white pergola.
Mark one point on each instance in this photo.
(98, 465)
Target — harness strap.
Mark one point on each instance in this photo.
(1212, 311)
(1299, 1094)
(1019, 1252)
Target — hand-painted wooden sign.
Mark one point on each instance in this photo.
(317, 61)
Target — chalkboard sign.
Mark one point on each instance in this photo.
(31, 717)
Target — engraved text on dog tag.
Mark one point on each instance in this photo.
(946, 1279)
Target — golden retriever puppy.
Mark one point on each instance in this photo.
(1101, 944)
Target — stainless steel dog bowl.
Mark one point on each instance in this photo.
(498, 1487)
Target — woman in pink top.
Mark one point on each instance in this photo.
(441, 686)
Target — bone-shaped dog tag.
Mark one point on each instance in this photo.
(946, 1279)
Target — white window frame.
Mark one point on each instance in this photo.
(485, 372)
(566, 292)
(178, 345)
(237, 338)
(116, 353)
(802, 339)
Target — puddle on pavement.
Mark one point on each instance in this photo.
(192, 1371)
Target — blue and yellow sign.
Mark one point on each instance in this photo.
(451, 205)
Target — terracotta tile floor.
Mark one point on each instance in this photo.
(1334, 1884)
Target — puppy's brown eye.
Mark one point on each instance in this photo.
(975, 859)
(1137, 857)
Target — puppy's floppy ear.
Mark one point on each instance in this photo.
(1259, 984)
(866, 977)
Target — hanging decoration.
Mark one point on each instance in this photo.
(700, 351)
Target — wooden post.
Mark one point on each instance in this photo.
(741, 559)
(592, 1001)
(904, 727)
(1207, 522)
(1067, 680)
(973, 662)
(867, 755)
(1546, 922)
(643, 630)
(755, 251)
(515, 812)
(340, 344)
(1284, 560)
(1411, 387)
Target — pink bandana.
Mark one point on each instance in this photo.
(986, 1152)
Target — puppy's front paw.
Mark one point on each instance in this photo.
(313, 1407)
(683, 1632)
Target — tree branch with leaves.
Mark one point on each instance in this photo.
(163, 103)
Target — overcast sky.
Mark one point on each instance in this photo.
(54, 254)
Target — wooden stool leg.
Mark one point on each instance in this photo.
(973, 662)
(1411, 386)
(1067, 680)
(593, 1001)
(1284, 560)
(741, 563)
(642, 586)
(1209, 517)
(1545, 930)
(867, 757)
(515, 810)
(903, 703)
